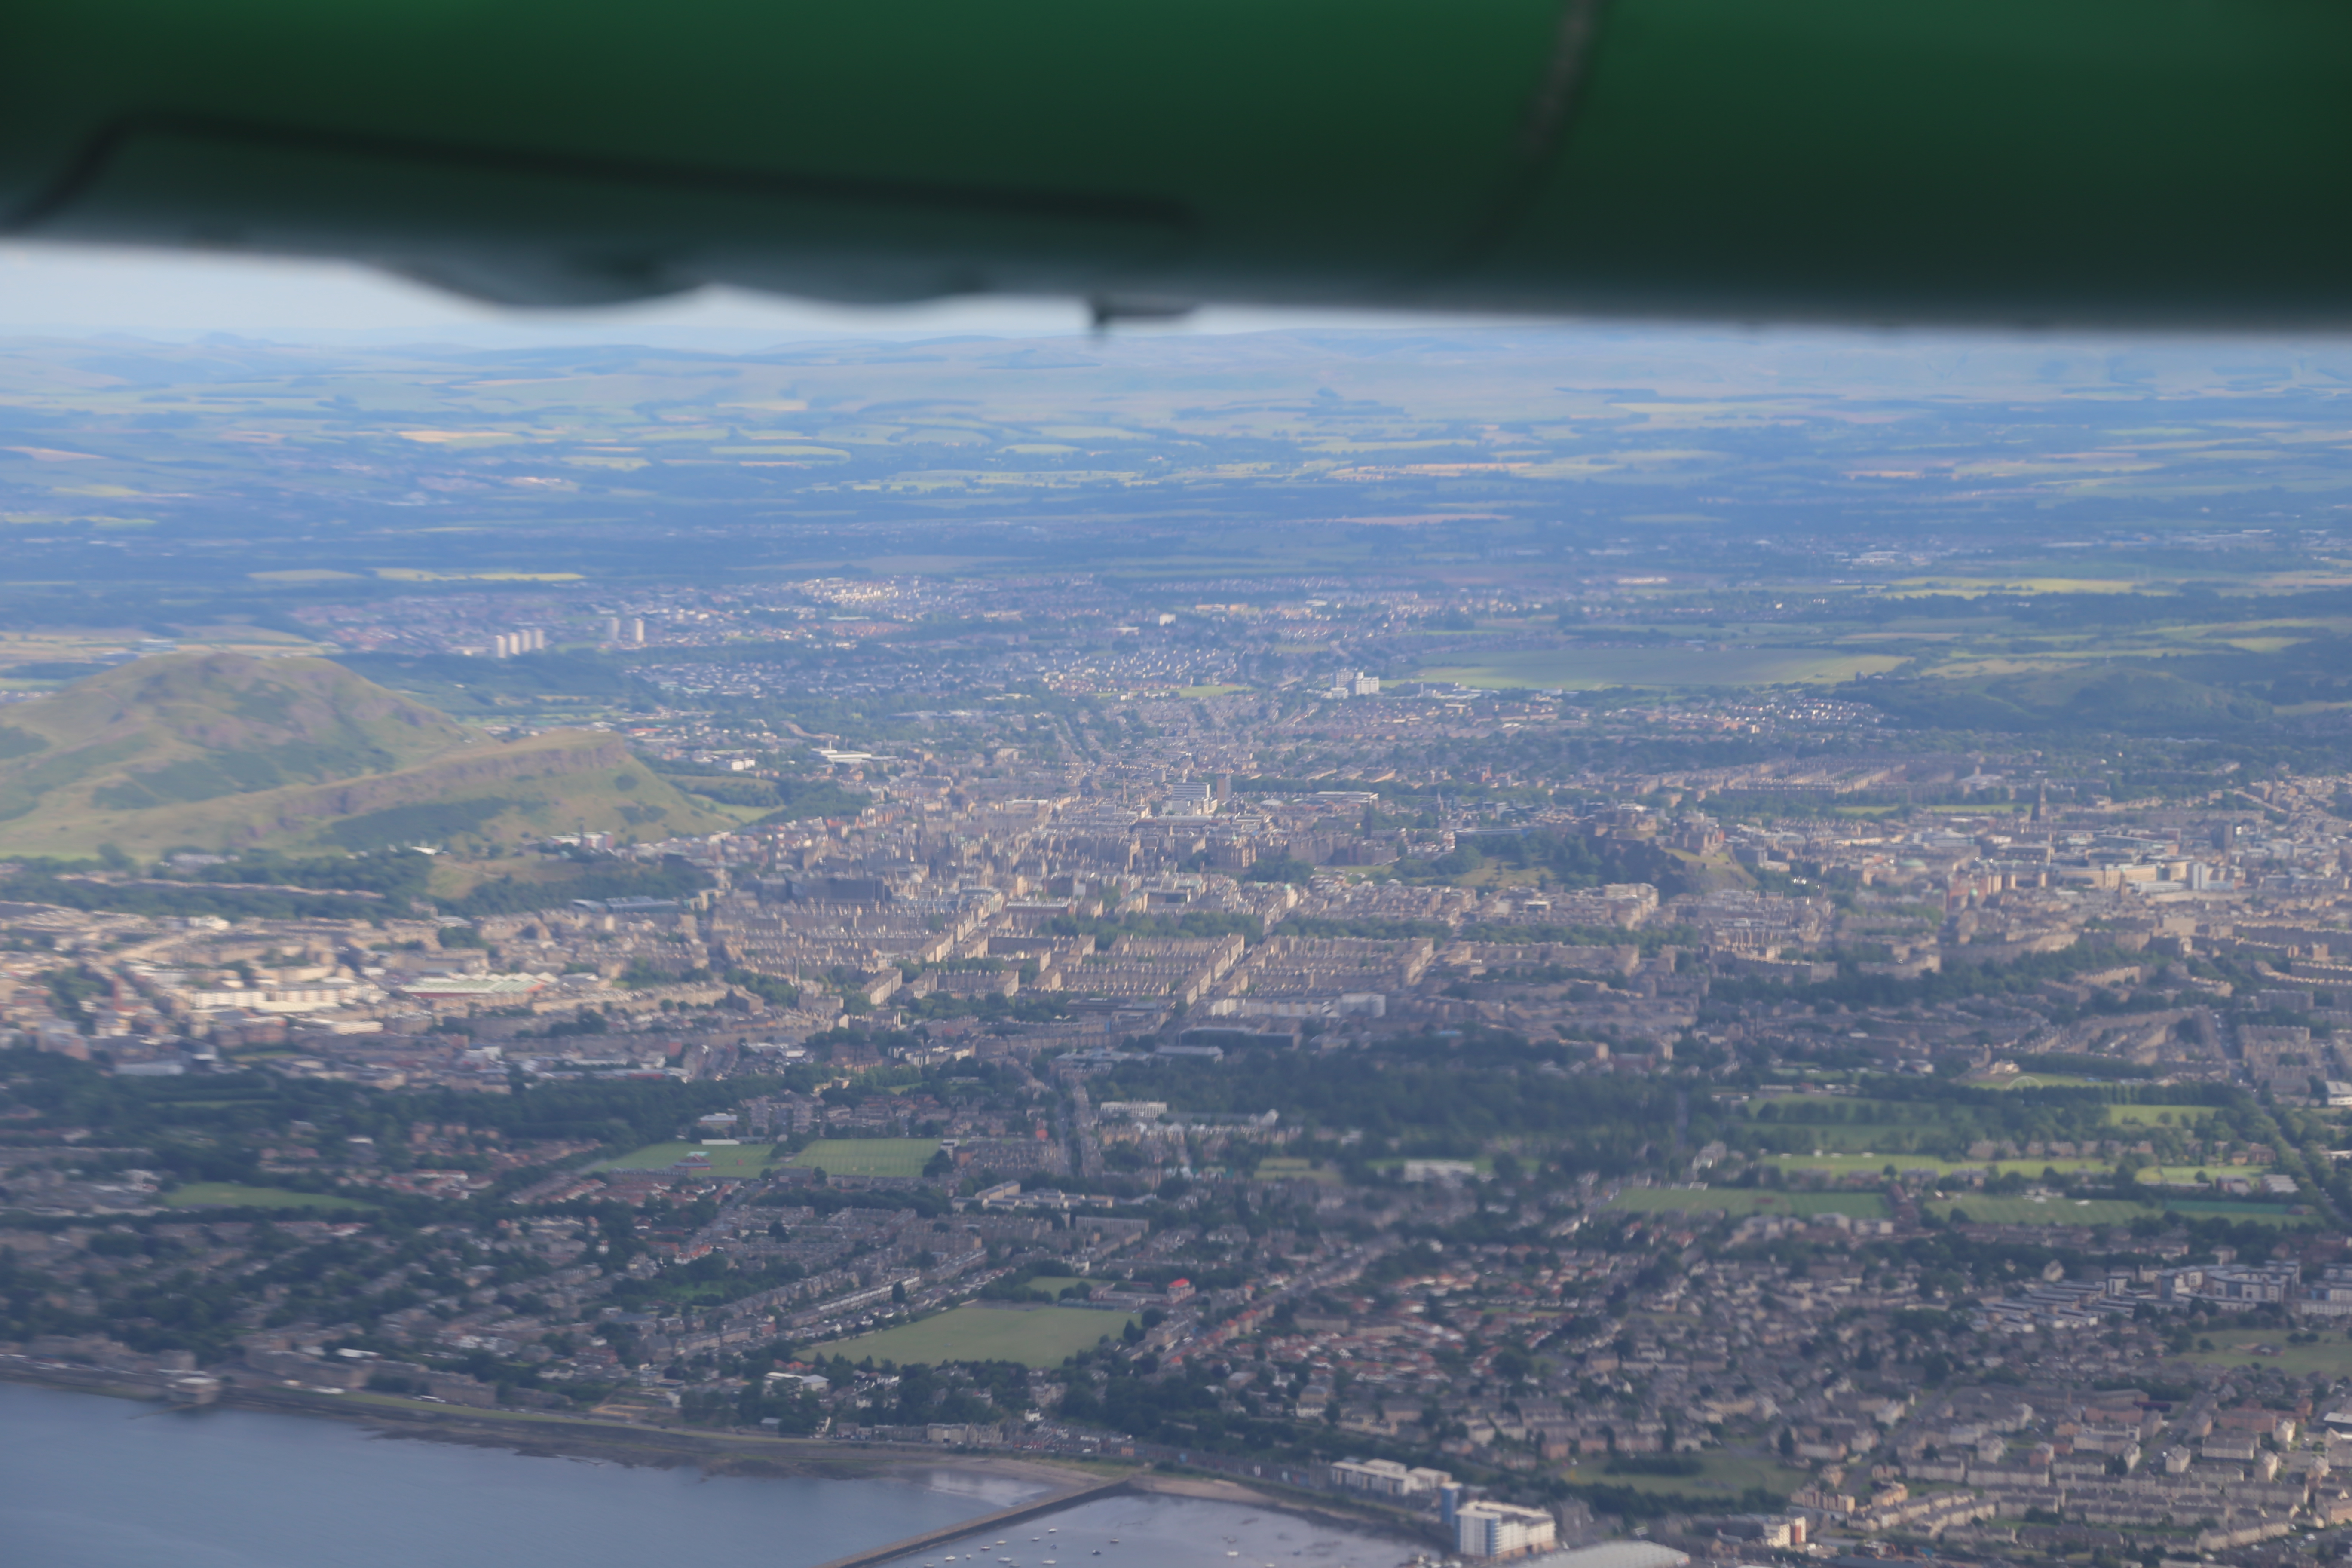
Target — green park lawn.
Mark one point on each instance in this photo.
(1866, 1138)
(2036, 1080)
(1587, 669)
(867, 1156)
(233, 1195)
(739, 1159)
(1483, 1163)
(2331, 1357)
(1722, 1471)
(2050, 1211)
(1280, 1169)
(1872, 1164)
(1034, 1336)
(1741, 1202)
(2154, 1115)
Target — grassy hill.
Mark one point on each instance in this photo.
(2127, 696)
(222, 751)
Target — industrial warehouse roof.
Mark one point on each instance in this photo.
(473, 986)
(1612, 1555)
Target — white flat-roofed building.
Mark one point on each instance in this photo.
(2329, 1295)
(1491, 1529)
(316, 995)
(507, 988)
(1386, 1478)
(1190, 800)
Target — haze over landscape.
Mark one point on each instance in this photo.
(1473, 939)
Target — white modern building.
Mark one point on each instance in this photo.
(1386, 1478)
(1190, 800)
(1492, 1530)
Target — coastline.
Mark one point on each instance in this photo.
(1066, 1482)
(547, 1434)
(1217, 1489)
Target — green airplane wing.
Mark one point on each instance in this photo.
(2065, 160)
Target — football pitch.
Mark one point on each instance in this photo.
(1034, 1336)
(737, 1160)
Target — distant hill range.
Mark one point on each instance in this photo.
(2130, 698)
(219, 751)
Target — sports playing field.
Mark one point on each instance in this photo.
(1588, 670)
(980, 1331)
(737, 1160)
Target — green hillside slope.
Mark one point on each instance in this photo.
(218, 751)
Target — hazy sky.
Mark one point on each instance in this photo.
(83, 290)
(73, 290)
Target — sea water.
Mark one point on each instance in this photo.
(94, 1482)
